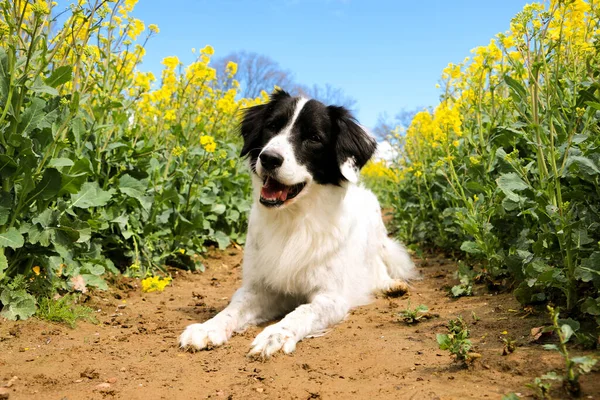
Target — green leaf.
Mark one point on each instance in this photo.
(591, 306)
(470, 247)
(516, 87)
(585, 363)
(47, 188)
(32, 116)
(60, 75)
(35, 234)
(218, 209)
(8, 166)
(511, 182)
(222, 239)
(45, 218)
(39, 87)
(96, 281)
(5, 207)
(94, 269)
(585, 165)
(550, 347)
(18, 304)
(91, 195)
(3, 263)
(135, 188)
(76, 176)
(593, 104)
(11, 238)
(443, 341)
(567, 332)
(60, 162)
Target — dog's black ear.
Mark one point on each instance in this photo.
(354, 146)
(253, 119)
(251, 126)
(279, 94)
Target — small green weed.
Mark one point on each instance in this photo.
(466, 276)
(574, 366)
(510, 345)
(542, 386)
(64, 310)
(416, 315)
(457, 342)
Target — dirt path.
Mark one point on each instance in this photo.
(369, 356)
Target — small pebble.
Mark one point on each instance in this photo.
(102, 387)
(11, 381)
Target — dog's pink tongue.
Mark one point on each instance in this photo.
(274, 190)
(283, 194)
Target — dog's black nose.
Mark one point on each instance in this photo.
(270, 160)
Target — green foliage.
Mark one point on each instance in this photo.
(506, 169)
(542, 385)
(466, 277)
(413, 316)
(64, 310)
(457, 342)
(574, 366)
(92, 182)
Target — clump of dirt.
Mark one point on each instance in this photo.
(132, 352)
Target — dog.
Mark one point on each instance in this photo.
(316, 244)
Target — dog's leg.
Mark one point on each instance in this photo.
(315, 317)
(247, 307)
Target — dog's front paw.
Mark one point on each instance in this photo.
(202, 336)
(272, 339)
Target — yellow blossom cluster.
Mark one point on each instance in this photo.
(566, 29)
(155, 284)
(378, 169)
(208, 143)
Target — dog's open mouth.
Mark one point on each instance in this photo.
(274, 193)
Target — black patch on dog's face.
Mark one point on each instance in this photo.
(323, 138)
(260, 123)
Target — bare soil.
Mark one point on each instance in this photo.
(132, 352)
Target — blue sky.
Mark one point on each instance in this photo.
(388, 55)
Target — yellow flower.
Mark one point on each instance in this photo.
(177, 151)
(153, 28)
(136, 27)
(129, 4)
(208, 50)
(155, 284)
(208, 143)
(41, 7)
(171, 62)
(231, 68)
(456, 143)
(36, 270)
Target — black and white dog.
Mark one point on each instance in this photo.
(316, 245)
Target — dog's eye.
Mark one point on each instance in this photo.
(315, 138)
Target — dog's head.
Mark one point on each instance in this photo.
(293, 143)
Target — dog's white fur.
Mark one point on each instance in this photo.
(315, 258)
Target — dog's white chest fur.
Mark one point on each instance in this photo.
(289, 251)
